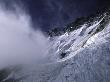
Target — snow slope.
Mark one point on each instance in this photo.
(86, 57)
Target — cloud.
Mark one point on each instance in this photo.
(19, 43)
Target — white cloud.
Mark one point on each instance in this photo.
(18, 42)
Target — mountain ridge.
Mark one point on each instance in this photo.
(80, 54)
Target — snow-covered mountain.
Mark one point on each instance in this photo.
(81, 54)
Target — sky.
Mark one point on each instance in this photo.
(48, 14)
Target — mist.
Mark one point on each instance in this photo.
(19, 43)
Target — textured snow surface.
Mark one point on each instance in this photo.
(87, 58)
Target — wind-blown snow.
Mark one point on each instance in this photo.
(86, 52)
(19, 43)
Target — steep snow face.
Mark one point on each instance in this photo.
(90, 63)
(82, 55)
(65, 46)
